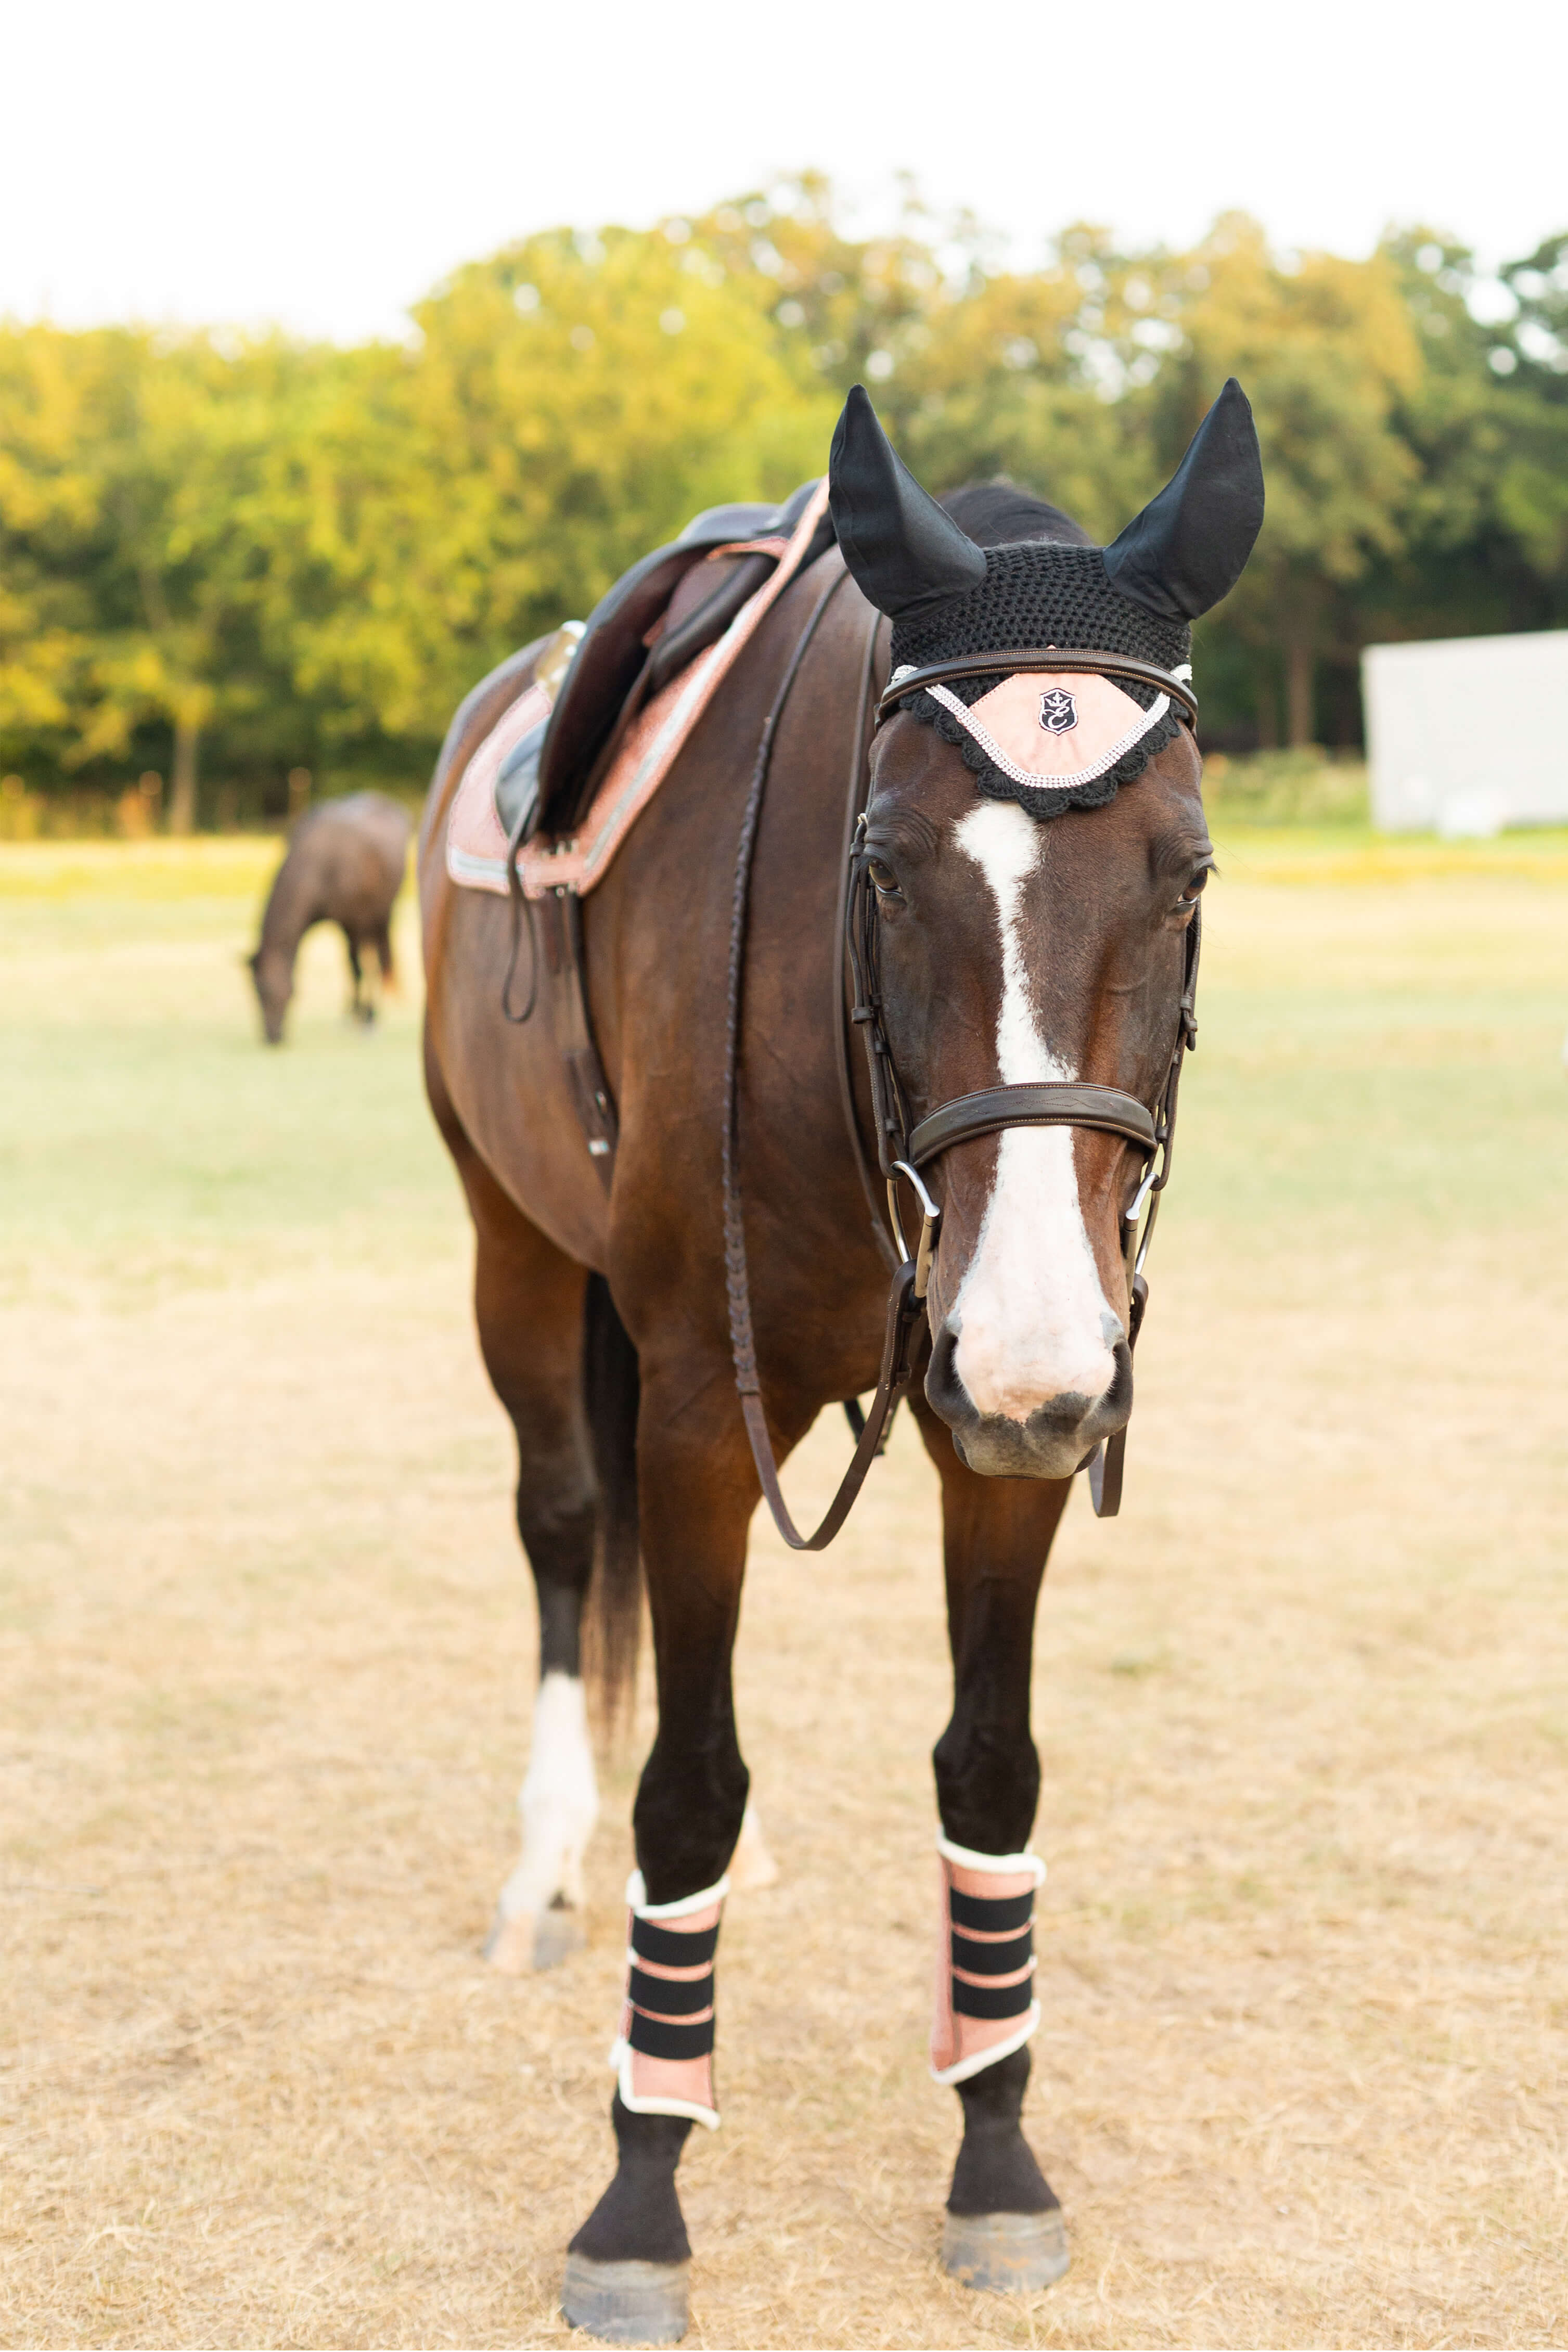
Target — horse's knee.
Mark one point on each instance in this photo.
(690, 1802)
(987, 1783)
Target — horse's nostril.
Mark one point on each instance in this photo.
(1118, 1397)
(945, 1390)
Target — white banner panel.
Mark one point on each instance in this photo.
(1466, 735)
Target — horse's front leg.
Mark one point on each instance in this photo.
(626, 2272)
(1004, 2226)
(360, 1006)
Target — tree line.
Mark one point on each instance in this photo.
(225, 556)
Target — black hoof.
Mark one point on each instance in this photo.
(628, 2303)
(1005, 2253)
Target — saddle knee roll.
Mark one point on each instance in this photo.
(985, 2006)
(663, 2054)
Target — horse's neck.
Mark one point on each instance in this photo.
(290, 908)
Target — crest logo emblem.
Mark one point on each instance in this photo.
(1058, 711)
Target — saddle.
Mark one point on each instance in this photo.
(547, 798)
(655, 621)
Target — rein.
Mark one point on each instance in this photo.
(902, 1150)
(904, 1309)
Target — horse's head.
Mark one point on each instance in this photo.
(1035, 845)
(273, 973)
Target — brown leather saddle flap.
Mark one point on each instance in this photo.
(625, 655)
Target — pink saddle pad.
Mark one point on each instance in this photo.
(476, 845)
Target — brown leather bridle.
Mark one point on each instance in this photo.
(903, 1150)
(1038, 657)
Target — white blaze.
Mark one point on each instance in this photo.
(559, 1802)
(1032, 1319)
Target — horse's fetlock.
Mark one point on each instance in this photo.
(638, 2218)
(995, 2171)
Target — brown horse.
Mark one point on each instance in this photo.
(1034, 934)
(345, 865)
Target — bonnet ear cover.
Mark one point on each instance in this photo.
(1187, 548)
(907, 555)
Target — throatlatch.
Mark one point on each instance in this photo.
(986, 2005)
(663, 2054)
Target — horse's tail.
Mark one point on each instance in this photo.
(611, 1387)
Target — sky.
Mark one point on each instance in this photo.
(320, 163)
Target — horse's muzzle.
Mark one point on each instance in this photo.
(1050, 1442)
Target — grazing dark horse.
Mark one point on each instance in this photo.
(1018, 926)
(346, 864)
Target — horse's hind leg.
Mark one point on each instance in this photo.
(529, 1302)
(1004, 2226)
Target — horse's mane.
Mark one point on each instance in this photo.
(999, 514)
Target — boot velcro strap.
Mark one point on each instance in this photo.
(669, 1950)
(988, 2001)
(991, 1914)
(993, 1959)
(671, 1996)
(656, 2039)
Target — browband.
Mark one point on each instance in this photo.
(907, 681)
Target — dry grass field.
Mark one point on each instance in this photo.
(1303, 1710)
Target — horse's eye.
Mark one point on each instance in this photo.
(883, 878)
(1195, 888)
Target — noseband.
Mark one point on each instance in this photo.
(902, 1150)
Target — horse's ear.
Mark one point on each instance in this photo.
(906, 554)
(1188, 547)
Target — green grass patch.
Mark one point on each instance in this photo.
(1382, 1026)
(1286, 788)
(1347, 854)
(223, 866)
(151, 1141)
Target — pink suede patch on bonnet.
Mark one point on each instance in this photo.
(1054, 727)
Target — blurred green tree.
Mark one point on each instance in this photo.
(259, 554)
(1325, 350)
(128, 468)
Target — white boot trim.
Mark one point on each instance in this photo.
(636, 1897)
(621, 2054)
(967, 1859)
(976, 2064)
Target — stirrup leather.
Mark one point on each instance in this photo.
(663, 2054)
(986, 2005)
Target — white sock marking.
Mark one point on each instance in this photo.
(559, 1802)
(1032, 1316)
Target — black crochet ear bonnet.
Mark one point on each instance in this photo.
(949, 598)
